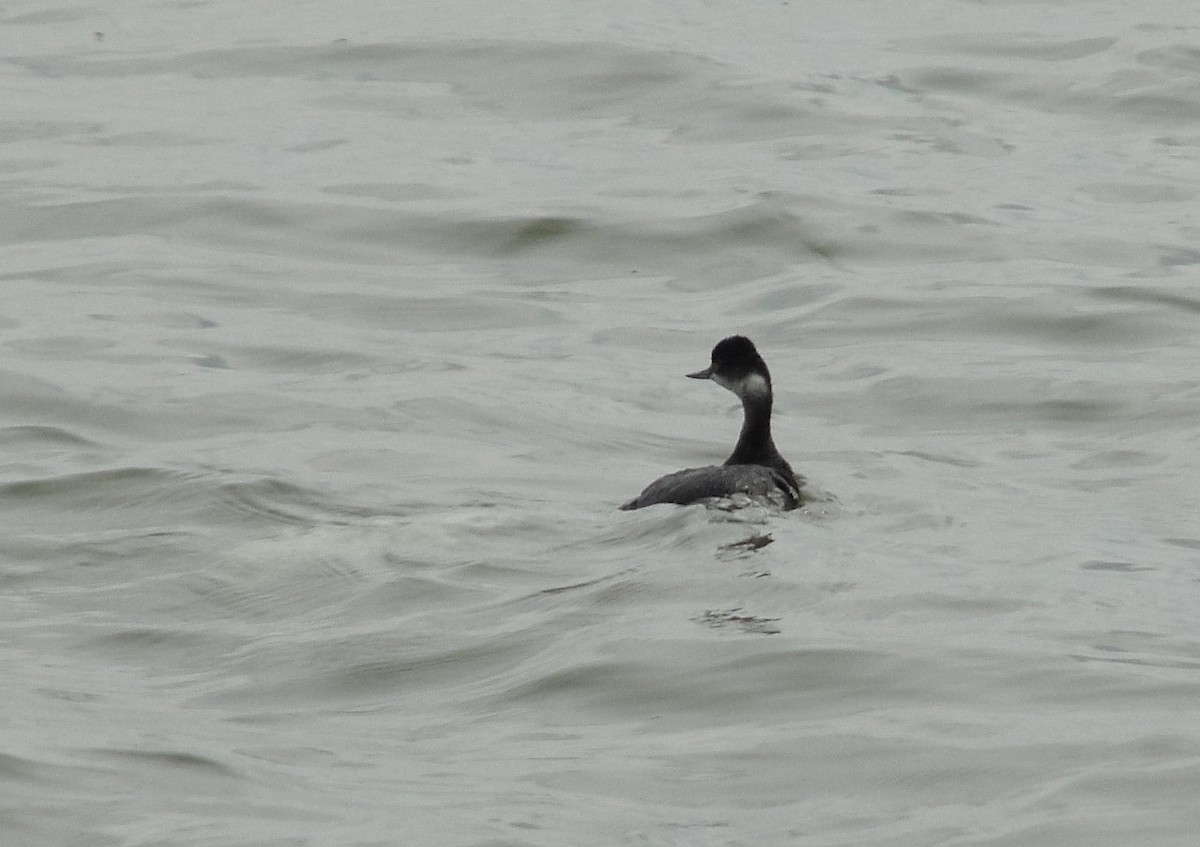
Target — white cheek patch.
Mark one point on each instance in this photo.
(724, 382)
(753, 385)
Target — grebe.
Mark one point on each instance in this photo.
(755, 468)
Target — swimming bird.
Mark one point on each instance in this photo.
(755, 468)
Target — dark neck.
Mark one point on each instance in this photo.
(754, 445)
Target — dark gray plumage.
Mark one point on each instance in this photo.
(755, 467)
(694, 484)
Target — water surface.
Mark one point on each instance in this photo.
(333, 340)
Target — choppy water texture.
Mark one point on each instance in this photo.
(334, 334)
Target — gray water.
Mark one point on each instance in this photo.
(334, 334)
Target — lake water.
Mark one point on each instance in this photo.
(334, 334)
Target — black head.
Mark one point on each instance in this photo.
(735, 365)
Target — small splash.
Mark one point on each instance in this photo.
(735, 617)
(746, 547)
